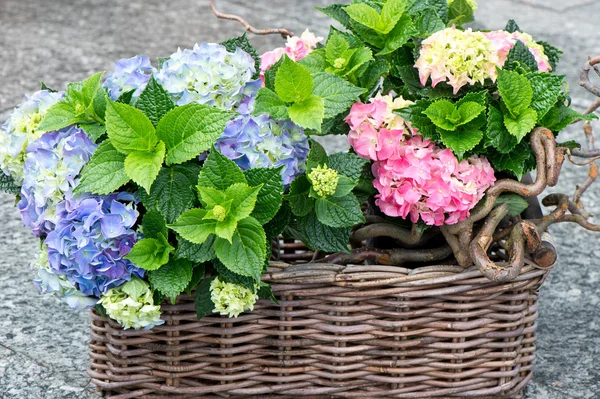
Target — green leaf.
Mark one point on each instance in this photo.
(496, 132)
(210, 196)
(514, 162)
(512, 27)
(7, 184)
(561, 116)
(460, 12)
(58, 116)
(427, 23)
(267, 102)
(90, 88)
(554, 55)
(197, 276)
(368, 35)
(203, 304)
(126, 97)
(336, 11)
(547, 88)
(93, 130)
(320, 237)
(347, 164)
(339, 211)
(317, 153)
(399, 36)
(522, 124)
(391, 13)
(246, 254)
(308, 113)
(279, 222)
(244, 199)
(220, 172)
(520, 55)
(344, 186)
(154, 101)
(197, 253)
(135, 288)
(367, 16)
(315, 62)
(338, 94)
(293, 83)
(150, 253)
(270, 195)
(516, 203)
(468, 111)
(266, 292)
(105, 173)
(172, 278)
(335, 48)
(357, 61)
(271, 73)
(244, 44)
(571, 144)
(173, 191)
(154, 224)
(415, 114)
(193, 227)
(191, 129)
(515, 90)
(143, 167)
(129, 129)
(300, 203)
(461, 141)
(438, 113)
(228, 276)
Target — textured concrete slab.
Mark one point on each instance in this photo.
(43, 351)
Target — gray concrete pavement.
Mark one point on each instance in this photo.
(43, 351)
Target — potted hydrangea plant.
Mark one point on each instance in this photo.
(222, 250)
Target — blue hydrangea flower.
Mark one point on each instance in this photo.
(262, 142)
(52, 165)
(209, 74)
(47, 282)
(19, 130)
(91, 239)
(129, 74)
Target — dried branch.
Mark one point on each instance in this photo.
(405, 236)
(249, 28)
(584, 76)
(393, 257)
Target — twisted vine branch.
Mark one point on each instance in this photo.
(249, 28)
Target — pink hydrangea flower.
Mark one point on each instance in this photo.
(296, 48)
(504, 41)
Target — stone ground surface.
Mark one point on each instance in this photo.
(43, 351)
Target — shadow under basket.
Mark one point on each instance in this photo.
(366, 331)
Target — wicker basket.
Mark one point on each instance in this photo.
(338, 332)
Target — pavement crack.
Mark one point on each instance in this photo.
(38, 362)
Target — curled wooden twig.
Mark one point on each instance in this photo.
(584, 76)
(393, 257)
(249, 28)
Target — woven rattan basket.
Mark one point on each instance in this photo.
(338, 332)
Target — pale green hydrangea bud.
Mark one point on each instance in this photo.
(132, 305)
(220, 213)
(232, 299)
(324, 180)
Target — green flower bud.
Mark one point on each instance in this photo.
(219, 212)
(79, 108)
(324, 180)
(339, 63)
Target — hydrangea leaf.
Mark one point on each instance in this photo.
(226, 228)
(230, 277)
(154, 224)
(126, 97)
(265, 291)
(338, 94)
(344, 186)
(210, 196)
(399, 36)
(308, 113)
(220, 172)
(172, 278)
(268, 102)
(520, 56)
(547, 88)
(300, 203)
(192, 226)
(197, 275)
(438, 113)
(191, 129)
(173, 191)
(462, 140)
(522, 124)
(365, 15)
(154, 101)
(460, 12)
(516, 203)
(105, 173)
(246, 254)
(279, 222)
(347, 164)
(293, 82)
(561, 116)
(93, 130)
(339, 211)
(244, 199)
(58, 116)
(335, 48)
(415, 114)
(427, 23)
(468, 111)
(7, 184)
(197, 253)
(515, 90)
(391, 12)
(317, 153)
(554, 55)
(150, 253)
(357, 61)
(135, 288)
(369, 35)
(336, 11)
(320, 237)
(244, 44)
(514, 162)
(512, 27)
(143, 166)
(496, 132)
(129, 129)
(270, 195)
(202, 302)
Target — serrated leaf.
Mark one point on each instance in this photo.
(460, 12)
(515, 90)
(308, 113)
(210, 196)
(547, 88)
(522, 124)
(335, 48)
(561, 116)
(244, 199)
(193, 227)
(461, 141)
(336, 11)
(438, 113)
(416, 116)
(399, 35)
(347, 164)
(129, 129)
(197, 276)
(469, 111)
(143, 166)
(246, 254)
(554, 54)
(357, 61)
(314, 62)
(496, 132)
(197, 253)
(339, 211)
(571, 144)
(135, 288)
(338, 94)
(93, 130)
(154, 224)
(172, 278)
(293, 82)
(369, 35)
(512, 27)
(7, 184)
(520, 55)
(244, 44)
(427, 23)
(126, 97)
(268, 102)
(366, 16)
(154, 101)
(513, 162)
(58, 116)
(265, 291)
(317, 153)
(270, 195)
(391, 13)
(516, 203)
(279, 222)
(105, 173)
(190, 130)
(320, 237)
(150, 253)
(220, 172)
(228, 276)
(344, 186)
(300, 203)
(202, 301)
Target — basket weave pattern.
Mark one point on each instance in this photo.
(338, 331)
